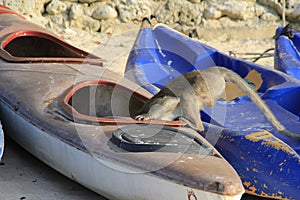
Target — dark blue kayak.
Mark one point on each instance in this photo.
(287, 56)
(267, 162)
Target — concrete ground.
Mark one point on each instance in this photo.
(23, 177)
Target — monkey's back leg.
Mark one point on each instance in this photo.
(190, 107)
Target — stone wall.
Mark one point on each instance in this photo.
(183, 15)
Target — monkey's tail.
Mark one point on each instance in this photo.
(231, 76)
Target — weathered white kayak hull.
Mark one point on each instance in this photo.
(61, 106)
(97, 175)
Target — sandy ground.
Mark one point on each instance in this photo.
(24, 177)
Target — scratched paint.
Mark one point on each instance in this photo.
(191, 195)
(253, 190)
(256, 187)
(269, 140)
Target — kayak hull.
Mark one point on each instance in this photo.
(287, 57)
(95, 174)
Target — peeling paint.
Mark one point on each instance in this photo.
(191, 195)
(49, 100)
(247, 184)
(253, 191)
(263, 193)
(282, 163)
(268, 139)
(257, 136)
(281, 169)
(255, 170)
(271, 172)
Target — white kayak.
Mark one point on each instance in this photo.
(76, 118)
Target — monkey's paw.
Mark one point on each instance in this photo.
(142, 117)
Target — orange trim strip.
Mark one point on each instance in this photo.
(9, 12)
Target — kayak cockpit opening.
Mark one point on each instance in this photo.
(36, 46)
(104, 102)
(105, 99)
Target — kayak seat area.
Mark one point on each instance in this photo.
(41, 47)
(37, 46)
(104, 100)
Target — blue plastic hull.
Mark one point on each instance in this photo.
(287, 56)
(267, 162)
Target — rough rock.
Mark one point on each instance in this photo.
(292, 11)
(38, 19)
(76, 11)
(89, 1)
(183, 15)
(259, 10)
(133, 10)
(239, 10)
(274, 4)
(179, 12)
(56, 19)
(106, 12)
(195, 1)
(85, 23)
(212, 13)
(28, 7)
(56, 7)
(294, 14)
(269, 17)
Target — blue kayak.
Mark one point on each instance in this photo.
(267, 162)
(287, 56)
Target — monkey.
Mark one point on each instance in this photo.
(185, 95)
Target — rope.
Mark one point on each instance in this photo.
(255, 56)
(283, 12)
